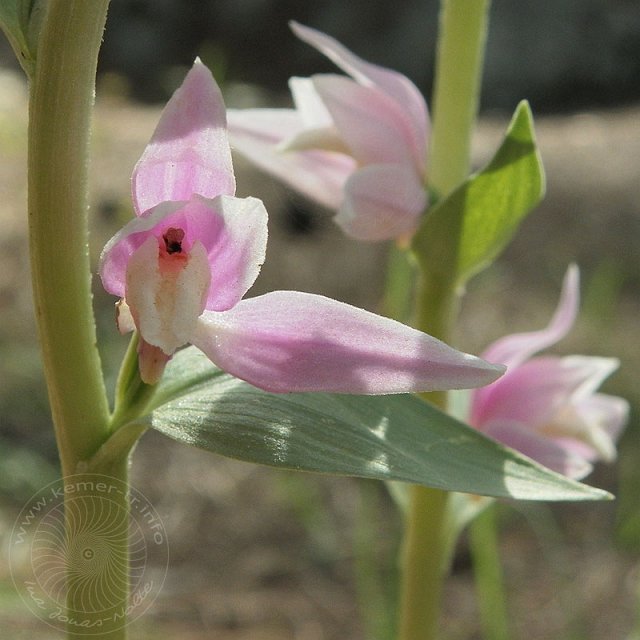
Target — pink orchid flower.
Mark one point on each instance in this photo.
(547, 407)
(183, 265)
(355, 145)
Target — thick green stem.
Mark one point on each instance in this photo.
(97, 534)
(62, 94)
(61, 100)
(461, 40)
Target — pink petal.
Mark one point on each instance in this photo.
(514, 349)
(382, 202)
(367, 120)
(117, 252)
(189, 151)
(545, 451)
(258, 134)
(533, 392)
(232, 230)
(291, 341)
(596, 370)
(554, 397)
(411, 104)
(237, 251)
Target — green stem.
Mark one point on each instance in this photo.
(488, 574)
(97, 534)
(460, 56)
(59, 122)
(373, 595)
(400, 284)
(61, 101)
(422, 562)
(463, 26)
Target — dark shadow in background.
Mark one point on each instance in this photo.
(560, 54)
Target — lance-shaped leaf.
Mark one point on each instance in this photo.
(467, 230)
(384, 437)
(21, 20)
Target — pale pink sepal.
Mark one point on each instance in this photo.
(290, 341)
(260, 134)
(537, 389)
(540, 448)
(514, 349)
(236, 248)
(380, 202)
(367, 120)
(189, 151)
(411, 107)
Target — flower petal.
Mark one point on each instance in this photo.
(611, 413)
(554, 398)
(382, 202)
(291, 341)
(117, 252)
(367, 120)
(309, 106)
(411, 104)
(596, 371)
(545, 451)
(535, 391)
(237, 251)
(258, 135)
(189, 151)
(232, 230)
(514, 349)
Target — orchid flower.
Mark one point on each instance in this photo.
(356, 145)
(548, 407)
(182, 266)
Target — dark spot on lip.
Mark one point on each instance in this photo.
(173, 240)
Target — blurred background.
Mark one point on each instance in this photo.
(264, 554)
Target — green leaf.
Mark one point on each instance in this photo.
(466, 231)
(21, 21)
(383, 437)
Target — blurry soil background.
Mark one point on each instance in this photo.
(271, 555)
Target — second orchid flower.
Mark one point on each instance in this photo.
(357, 145)
(548, 407)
